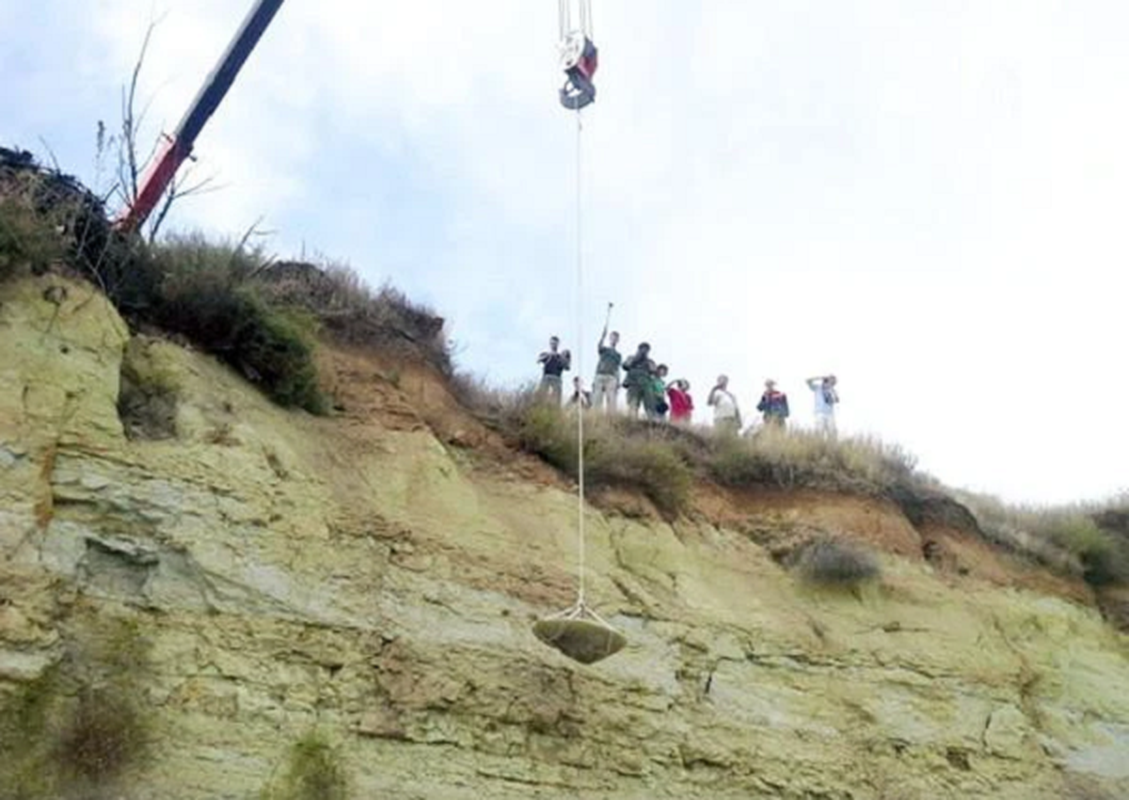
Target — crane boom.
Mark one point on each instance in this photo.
(178, 147)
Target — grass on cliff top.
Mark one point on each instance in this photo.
(662, 460)
(1089, 540)
(206, 292)
(263, 318)
(348, 311)
(802, 459)
(615, 453)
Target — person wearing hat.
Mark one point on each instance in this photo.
(773, 406)
(681, 404)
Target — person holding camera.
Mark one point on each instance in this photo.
(773, 406)
(726, 413)
(826, 398)
(554, 364)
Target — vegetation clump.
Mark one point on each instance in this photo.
(313, 772)
(662, 460)
(27, 240)
(802, 459)
(834, 563)
(353, 314)
(81, 724)
(616, 453)
(149, 393)
(1081, 539)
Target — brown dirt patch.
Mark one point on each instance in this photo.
(781, 516)
(958, 553)
(394, 394)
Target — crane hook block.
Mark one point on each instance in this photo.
(579, 59)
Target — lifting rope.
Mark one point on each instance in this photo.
(580, 358)
(579, 632)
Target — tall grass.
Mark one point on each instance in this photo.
(352, 313)
(800, 459)
(1082, 539)
(614, 454)
(662, 460)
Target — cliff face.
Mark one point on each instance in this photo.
(371, 579)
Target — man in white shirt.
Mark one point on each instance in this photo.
(726, 413)
(826, 398)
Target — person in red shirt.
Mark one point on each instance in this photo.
(681, 403)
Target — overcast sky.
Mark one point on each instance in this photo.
(927, 198)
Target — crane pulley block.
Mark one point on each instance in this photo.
(579, 55)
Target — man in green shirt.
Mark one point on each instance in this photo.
(605, 386)
(640, 371)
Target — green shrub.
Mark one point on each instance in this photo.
(1104, 559)
(834, 563)
(313, 772)
(1080, 539)
(205, 293)
(546, 432)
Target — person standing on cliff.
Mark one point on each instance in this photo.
(605, 386)
(639, 384)
(554, 364)
(726, 413)
(826, 398)
(658, 393)
(581, 398)
(773, 406)
(681, 403)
